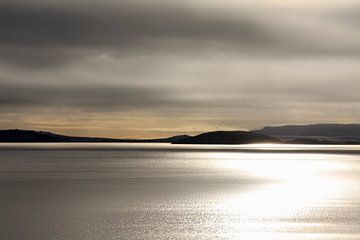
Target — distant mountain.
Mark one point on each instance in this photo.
(315, 133)
(296, 134)
(16, 135)
(227, 137)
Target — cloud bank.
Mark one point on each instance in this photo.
(179, 65)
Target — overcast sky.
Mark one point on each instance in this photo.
(146, 68)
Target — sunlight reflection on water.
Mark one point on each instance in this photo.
(301, 184)
(166, 193)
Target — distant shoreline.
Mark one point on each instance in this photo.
(315, 134)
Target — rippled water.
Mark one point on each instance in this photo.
(160, 191)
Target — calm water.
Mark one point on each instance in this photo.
(160, 191)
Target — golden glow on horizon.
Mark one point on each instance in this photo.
(117, 125)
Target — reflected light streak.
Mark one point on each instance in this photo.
(275, 166)
(297, 185)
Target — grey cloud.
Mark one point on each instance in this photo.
(121, 26)
(97, 98)
(81, 96)
(55, 34)
(39, 57)
(161, 99)
(346, 15)
(127, 24)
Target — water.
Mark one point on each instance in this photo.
(161, 191)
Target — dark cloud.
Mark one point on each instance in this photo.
(96, 97)
(57, 33)
(51, 32)
(39, 57)
(127, 24)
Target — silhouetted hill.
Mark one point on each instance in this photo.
(228, 137)
(296, 134)
(158, 140)
(171, 139)
(16, 135)
(316, 133)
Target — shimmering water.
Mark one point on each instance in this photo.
(160, 191)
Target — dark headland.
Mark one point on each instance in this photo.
(228, 137)
(16, 135)
(294, 134)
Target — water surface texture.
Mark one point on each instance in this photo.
(162, 191)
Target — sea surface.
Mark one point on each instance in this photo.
(87, 191)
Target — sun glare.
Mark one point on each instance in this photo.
(293, 184)
(277, 166)
(293, 181)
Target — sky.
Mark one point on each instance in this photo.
(154, 68)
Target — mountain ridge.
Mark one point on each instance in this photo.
(327, 133)
(17, 135)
